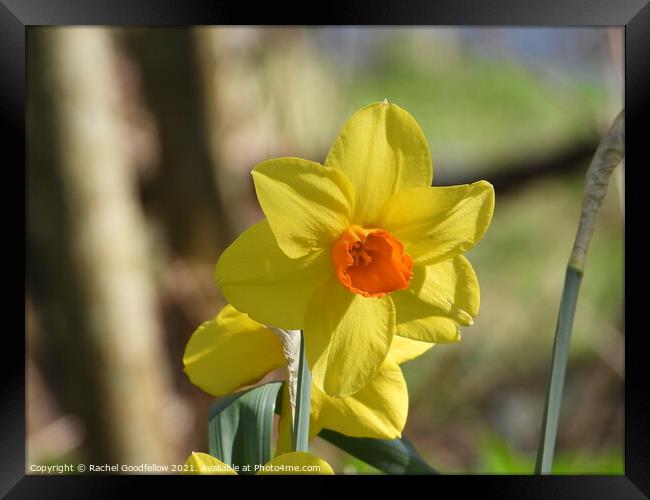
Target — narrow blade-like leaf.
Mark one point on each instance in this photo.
(396, 456)
(240, 427)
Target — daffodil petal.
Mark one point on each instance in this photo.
(307, 205)
(378, 410)
(405, 349)
(382, 150)
(347, 337)
(296, 462)
(433, 329)
(204, 464)
(448, 290)
(436, 223)
(257, 278)
(231, 351)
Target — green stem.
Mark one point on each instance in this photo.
(303, 402)
(558, 370)
(609, 154)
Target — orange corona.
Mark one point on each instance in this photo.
(371, 262)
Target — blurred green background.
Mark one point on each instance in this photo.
(140, 145)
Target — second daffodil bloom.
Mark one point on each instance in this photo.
(232, 351)
(359, 249)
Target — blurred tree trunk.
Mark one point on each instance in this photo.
(184, 194)
(89, 271)
(255, 109)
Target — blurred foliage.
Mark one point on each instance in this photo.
(497, 457)
(510, 114)
(480, 111)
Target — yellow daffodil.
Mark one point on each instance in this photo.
(295, 462)
(359, 249)
(232, 351)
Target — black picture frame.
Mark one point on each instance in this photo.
(634, 15)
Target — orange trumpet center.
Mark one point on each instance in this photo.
(371, 262)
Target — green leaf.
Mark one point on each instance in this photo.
(240, 427)
(397, 456)
(551, 417)
(609, 154)
(300, 438)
